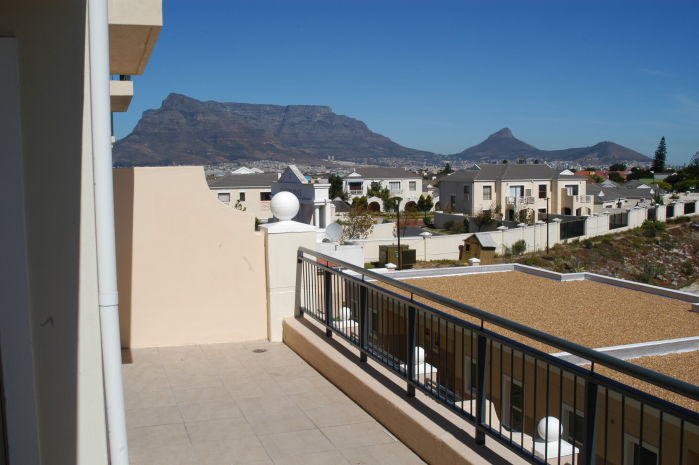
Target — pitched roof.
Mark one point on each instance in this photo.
(510, 171)
(369, 172)
(615, 193)
(341, 206)
(243, 180)
(485, 240)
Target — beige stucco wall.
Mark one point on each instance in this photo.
(191, 269)
(252, 203)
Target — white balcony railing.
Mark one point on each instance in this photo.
(356, 192)
(528, 200)
(582, 198)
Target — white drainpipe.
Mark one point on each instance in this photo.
(98, 23)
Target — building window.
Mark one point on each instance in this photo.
(394, 186)
(224, 197)
(487, 192)
(637, 454)
(467, 189)
(452, 201)
(572, 189)
(514, 404)
(413, 185)
(242, 197)
(265, 196)
(573, 425)
(355, 187)
(542, 191)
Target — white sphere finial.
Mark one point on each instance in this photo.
(285, 206)
(554, 429)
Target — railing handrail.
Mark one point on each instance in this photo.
(664, 381)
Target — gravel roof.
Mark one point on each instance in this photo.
(683, 366)
(585, 312)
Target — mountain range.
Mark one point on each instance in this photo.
(185, 131)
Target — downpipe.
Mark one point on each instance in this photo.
(98, 24)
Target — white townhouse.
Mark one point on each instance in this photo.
(400, 182)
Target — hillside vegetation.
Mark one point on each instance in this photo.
(656, 253)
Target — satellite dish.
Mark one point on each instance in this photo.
(333, 232)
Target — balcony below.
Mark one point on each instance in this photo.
(120, 94)
(525, 200)
(252, 403)
(134, 26)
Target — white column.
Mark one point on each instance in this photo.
(282, 240)
(316, 216)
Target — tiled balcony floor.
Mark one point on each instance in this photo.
(226, 404)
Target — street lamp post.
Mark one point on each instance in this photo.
(547, 225)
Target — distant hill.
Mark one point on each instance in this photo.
(188, 131)
(502, 145)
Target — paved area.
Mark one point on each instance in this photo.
(249, 403)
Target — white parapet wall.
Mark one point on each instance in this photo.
(446, 247)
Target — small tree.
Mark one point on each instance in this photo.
(484, 218)
(618, 167)
(447, 169)
(239, 206)
(425, 204)
(357, 225)
(616, 177)
(360, 202)
(336, 190)
(660, 156)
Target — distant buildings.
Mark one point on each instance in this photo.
(400, 183)
(511, 188)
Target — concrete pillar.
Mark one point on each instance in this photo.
(282, 240)
(316, 216)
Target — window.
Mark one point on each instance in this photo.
(242, 197)
(264, 196)
(635, 454)
(412, 185)
(516, 191)
(573, 425)
(572, 189)
(355, 187)
(513, 404)
(224, 197)
(487, 192)
(542, 191)
(467, 189)
(452, 200)
(394, 187)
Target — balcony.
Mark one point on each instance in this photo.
(520, 200)
(254, 402)
(120, 93)
(134, 26)
(583, 198)
(356, 192)
(509, 390)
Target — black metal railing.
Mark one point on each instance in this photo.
(618, 220)
(505, 387)
(572, 228)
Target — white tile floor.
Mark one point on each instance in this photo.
(226, 404)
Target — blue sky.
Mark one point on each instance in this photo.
(442, 76)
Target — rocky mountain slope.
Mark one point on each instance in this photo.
(188, 131)
(502, 145)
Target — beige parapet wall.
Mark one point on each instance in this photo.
(191, 269)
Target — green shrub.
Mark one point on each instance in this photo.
(588, 244)
(650, 273)
(448, 224)
(651, 228)
(519, 247)
(534, 261)
(679, 219)
(687, 268)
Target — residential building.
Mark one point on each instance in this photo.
(400, 183)
(61, 373)
(316, 208)
(611, 195)
(510, 188)
(250, 192)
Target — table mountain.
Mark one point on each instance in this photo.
(188, 131)
(502, 145)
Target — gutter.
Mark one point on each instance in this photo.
(98, 24)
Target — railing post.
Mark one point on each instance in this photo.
(410, 371)
(328, 280)
(480, 390)
(299, 267)
(589, 450)
(363, 322)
